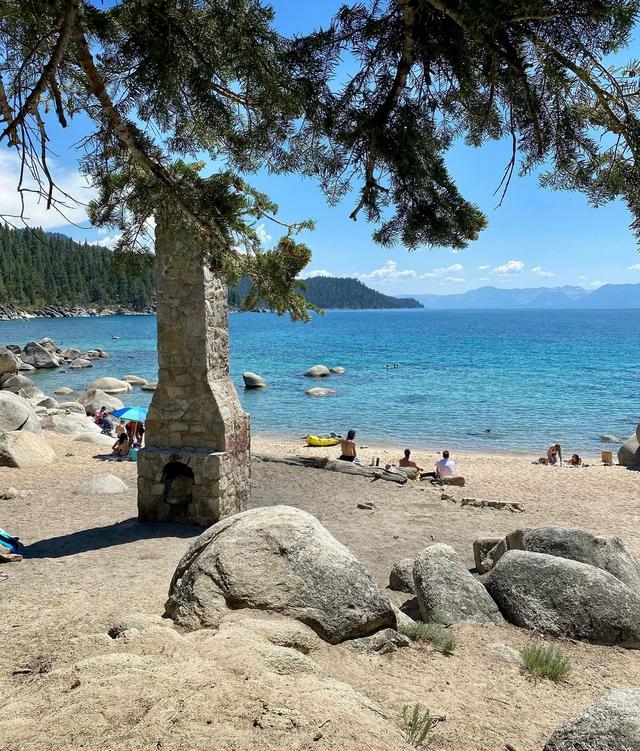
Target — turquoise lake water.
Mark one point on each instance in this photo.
(531, 377)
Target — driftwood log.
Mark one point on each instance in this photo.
(333, 465)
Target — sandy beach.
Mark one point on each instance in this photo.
(90, 565)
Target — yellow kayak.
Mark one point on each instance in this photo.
(323, 440)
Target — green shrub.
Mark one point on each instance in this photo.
(418, 724)
(546, 661)
(441, 639)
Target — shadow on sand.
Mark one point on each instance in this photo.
(97, 538)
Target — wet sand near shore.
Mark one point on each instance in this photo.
(90, 563)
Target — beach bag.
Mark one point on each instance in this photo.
(133, 455)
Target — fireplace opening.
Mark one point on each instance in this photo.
(178, 486)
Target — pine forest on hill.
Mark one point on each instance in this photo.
(43, 268)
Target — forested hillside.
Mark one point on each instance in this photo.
(42, 268)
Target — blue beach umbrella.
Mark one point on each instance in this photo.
(131, 413)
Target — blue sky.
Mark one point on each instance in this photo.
(536, 238)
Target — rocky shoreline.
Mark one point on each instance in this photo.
(13, 313)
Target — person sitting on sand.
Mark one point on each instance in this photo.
(575, 461)
(120, 449)
(406, 462)
(348, 447)
(101, 418)
(445, 466)
(554, 454)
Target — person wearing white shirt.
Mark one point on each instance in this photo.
(445, 466)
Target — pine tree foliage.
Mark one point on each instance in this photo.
(39, 268)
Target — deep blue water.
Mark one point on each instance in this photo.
(531, 377)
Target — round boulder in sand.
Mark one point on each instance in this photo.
(111, 385)
(401, 576)
(612, 723)
(80, 362)
(17, 414)
(70, 423)
(565, 598)
(280, 559)
(38, 356)
(607, 553)
(8, 361)
(444, 585)
(134, 380)
(253, 380)
(102, 485)
(318, 371)
(318, 391)
(23, 450)
(93, 399)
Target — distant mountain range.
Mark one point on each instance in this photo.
(537, 298)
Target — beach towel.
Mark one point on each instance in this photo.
(11, 542)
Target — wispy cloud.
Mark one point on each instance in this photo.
(484, 267)
(452, 279)
(541, 272)
(510, 267)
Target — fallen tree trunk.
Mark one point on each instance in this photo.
(333, 465)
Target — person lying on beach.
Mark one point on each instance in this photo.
(120, 449)
(444, 468)
(406, 462)
(554, 454)
(348, 447)
(575, 461)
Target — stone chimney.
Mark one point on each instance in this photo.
(195, 464)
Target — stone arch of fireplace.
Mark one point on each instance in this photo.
(177, 479)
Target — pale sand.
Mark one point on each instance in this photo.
(93, 563)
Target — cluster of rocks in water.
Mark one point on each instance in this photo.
(12, 313)
(25, 411)
(254, 381)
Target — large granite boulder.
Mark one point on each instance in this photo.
(629, 452)
(280, 559)
(318, 371)
(22, 449)
(150, 386)
(69, 423)
(401, 576)
(70, 353)
(445, 586)
(612, 723)
(64, 391)
(93, 399)
(111, 385)
(19, 384)
(71, 407)
(17, 414)
(96, 439)
(253, 380)
(8, 361)
(134, 380)
(607, 553)
(38, 356)
(565, 598)
(319, 392)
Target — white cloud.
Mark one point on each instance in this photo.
(541, 272)
(448, 279)
(107, 241)
(484, 267)
(594, 284)
(510, 267)
(388, 272)
(455, 268)
(635, 267)
(263, 235)
(314, 273)
(36, 213)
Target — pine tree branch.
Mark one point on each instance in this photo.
(67, 23)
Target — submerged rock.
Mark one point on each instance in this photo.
(111, 385)
(253, 380)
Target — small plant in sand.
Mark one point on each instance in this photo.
(441, 639)
(546, 661)
(418, 724)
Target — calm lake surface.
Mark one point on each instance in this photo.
(530, 377)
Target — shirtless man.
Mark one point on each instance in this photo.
(348, 447)
(407, 462)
